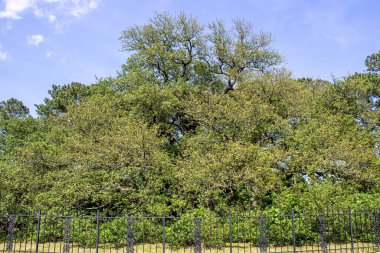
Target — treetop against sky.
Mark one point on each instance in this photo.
(45, 42)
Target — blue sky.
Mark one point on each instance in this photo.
(45, 42)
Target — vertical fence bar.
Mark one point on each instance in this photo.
(376, 227)
(244, 218)
(22, 225)
(210, 220)
(230, 221)
(43, 232)
(26, 235)
(223, 226)
(124, 228)
(38, 230)
(367, 236)
(54, 224)
(351, 229)
(333, 230)
(143, 234)
(358, 227)
(293, 233)
(50, 229)
(163, 232)
(97, 230)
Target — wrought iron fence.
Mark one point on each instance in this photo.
(296, 232)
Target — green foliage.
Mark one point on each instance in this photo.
(372, 62)
(62, 98)
(13, 108)
(197, 119)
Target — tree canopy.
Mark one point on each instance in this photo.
(199, 117)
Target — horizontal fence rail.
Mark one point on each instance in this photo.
(340, 231)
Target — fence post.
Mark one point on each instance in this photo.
(322, 232)
(263, 230)
(38, 230)
(163, 232)
(66, 235)
(11, 232)
(197, 235)
(130, 236)
(351, 229)
(230, 220)
(97, 230)
(293, 233)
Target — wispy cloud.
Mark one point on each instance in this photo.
(44, 14)
(329, 21)
(325, 20)
(35, 40)
(63, 61)
(54, 11)
(3, 55)
(49, 54)
(277, 5)
(6, 27)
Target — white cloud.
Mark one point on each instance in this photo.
(35, 40)
(57, 12)
(49, 9)
(14, 7)
(51, 18)
(81, 8)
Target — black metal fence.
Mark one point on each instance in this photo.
(333, 231)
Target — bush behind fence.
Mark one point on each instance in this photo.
(317, 231)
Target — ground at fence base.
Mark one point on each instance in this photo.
(59, 247)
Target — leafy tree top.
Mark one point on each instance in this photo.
(172, 48)
(373, 62)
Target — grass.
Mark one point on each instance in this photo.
(58, 247)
